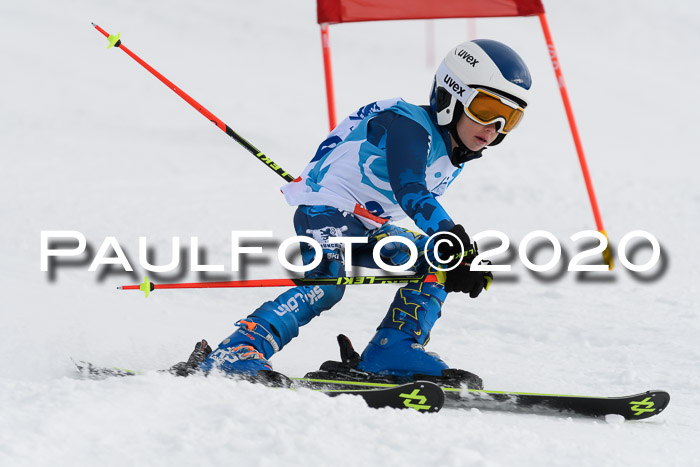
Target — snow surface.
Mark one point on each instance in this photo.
(91, 142)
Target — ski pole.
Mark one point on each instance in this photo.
(116, 42)
(148, 286)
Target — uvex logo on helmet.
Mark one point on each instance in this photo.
(454, 85)
(469, 58)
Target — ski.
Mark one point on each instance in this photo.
(385, 393)
(422, 396)
(634, 407)
(88, 370)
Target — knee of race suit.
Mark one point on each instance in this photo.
(415, 309)
(397, 253)
(282, 317)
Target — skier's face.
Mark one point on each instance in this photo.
(475, 135)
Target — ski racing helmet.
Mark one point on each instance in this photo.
(487, 81)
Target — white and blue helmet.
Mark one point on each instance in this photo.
(481, 63)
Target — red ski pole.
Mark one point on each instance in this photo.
(116, 42)
(148, 286)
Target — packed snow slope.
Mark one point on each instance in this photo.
(91, 142)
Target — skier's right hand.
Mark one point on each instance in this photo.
(463, 279)
(448, 246)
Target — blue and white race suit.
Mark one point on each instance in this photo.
(387, 161)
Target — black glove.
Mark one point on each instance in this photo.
(461, 278)
(448, 246)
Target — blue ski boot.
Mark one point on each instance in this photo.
(396, 353)
(393, 352)
(398, 360)
(397, 350)
(242, 354)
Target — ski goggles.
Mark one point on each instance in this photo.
(486, 107)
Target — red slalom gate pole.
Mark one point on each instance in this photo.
(330, 94)
(148, 286)
(607, 253)
(116, 42)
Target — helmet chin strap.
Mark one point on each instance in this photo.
(462, 153)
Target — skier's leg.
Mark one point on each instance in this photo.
(275, 323)
(397, 347)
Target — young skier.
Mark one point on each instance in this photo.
(389, 160)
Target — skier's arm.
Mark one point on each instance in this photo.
(407, 148)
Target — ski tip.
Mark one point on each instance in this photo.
(648, 404)
(80, 365)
